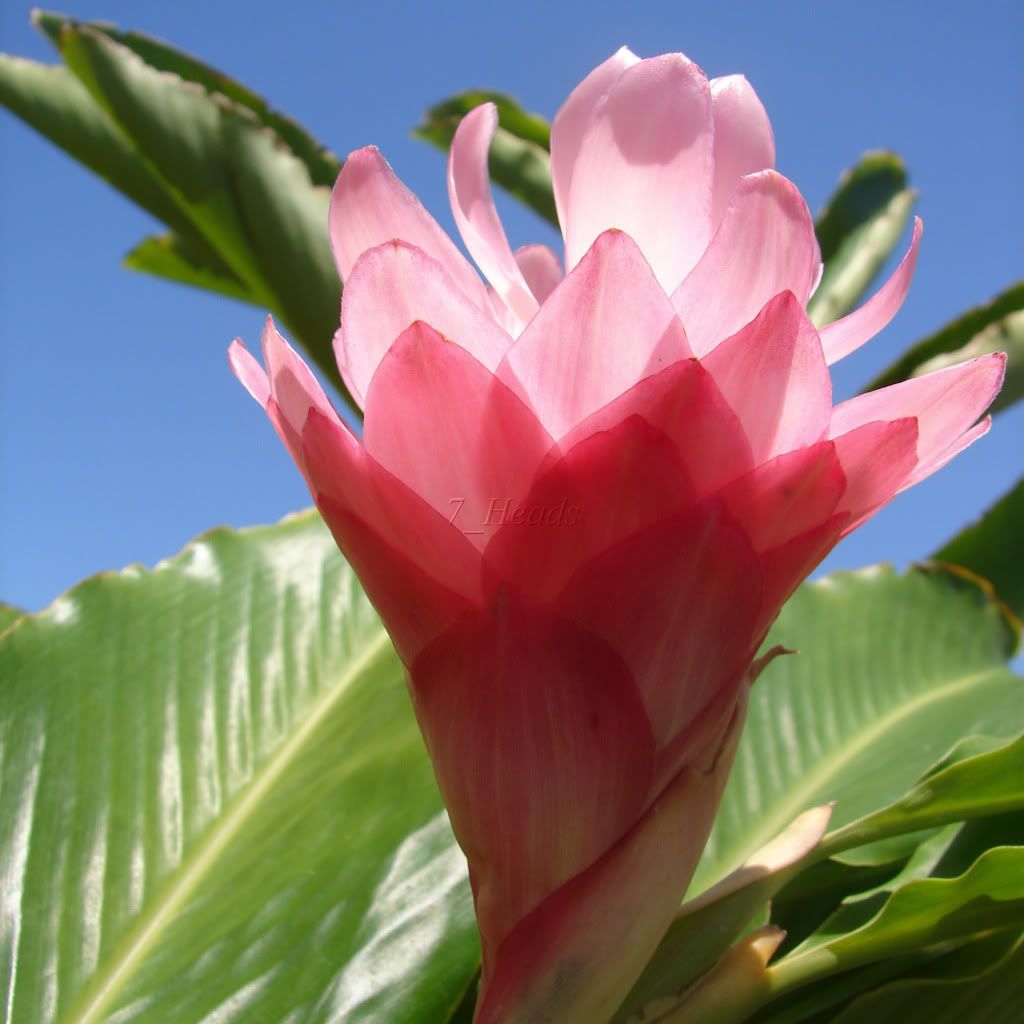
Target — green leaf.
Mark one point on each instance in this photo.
(858, 229)
(217, 802)
(519, 160)
(893, 671)
(976, 787)
(323, 166)
(243, 190)
(994, 327)
(55, 104)
(8, 615)
(992, 990)
(991, 548)
(922, 914)
(171, 257)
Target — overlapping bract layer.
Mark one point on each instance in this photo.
(580, 500)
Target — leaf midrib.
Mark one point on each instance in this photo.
(136, 945)
(798, 797)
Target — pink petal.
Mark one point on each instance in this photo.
(541, 749)
(287, 390)
(469, 190)
(678, 602)
(925, 469)
(744, 143)
(419, 571)
(370, 206)
(571, 122)
(577, 955)
(645, 166)
(541, 268)
(876, 459)
(443, 424)
(604, 489)
(773, 374)
(765, 245)
(345, 476)
(787, 496)
(683, 403)
(841, 337)
(390, 287)
(606, 326)
(250, 374)
(946, 404)
(785, 567)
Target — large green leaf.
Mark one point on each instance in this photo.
(519, 160)
(893, 671)
(996, 326)
(8, 615)
(217, 805)
(857, 231)
(994, 548)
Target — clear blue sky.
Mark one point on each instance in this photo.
(122, 433)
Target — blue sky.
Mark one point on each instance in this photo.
(122, 433)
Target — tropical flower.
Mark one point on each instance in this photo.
(580, 500)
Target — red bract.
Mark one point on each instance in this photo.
(579, 502)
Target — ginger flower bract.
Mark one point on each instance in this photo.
(585, 487)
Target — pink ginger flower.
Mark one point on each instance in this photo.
(580, 500)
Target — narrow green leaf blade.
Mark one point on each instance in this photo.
(218, 803)
(519, 160)
(285, 223)
(976, 787)
(994, 548)
(921, 914)
(53, 102)
(985, 328)
(237, 184)
(858, 229)
(994, 993)
(171, 257)
(322, 165)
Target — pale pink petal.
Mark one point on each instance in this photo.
(541, 749)
(841, 337)
(541, 268)
(645, 166)
(292, 386)
(250, 374)
(774, 376)
(370, 206)
(937, 461)
(469, 190)
(443, 424)
(765, 245)
(606, 326)
(877, 460)
(744, 143)
(605, 488)
(946, 403)
(390, 287)
(572, 119)
(678, 602)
